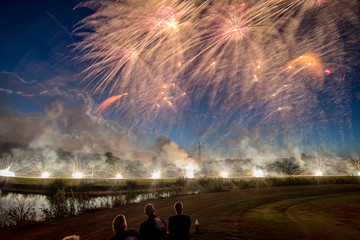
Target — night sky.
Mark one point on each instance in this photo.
(45, 103)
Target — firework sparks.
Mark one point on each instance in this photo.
(78, 174)
(156, 175)
(309, 61)
(224, 174)
(45, 175)
(7, 173)
(254, 63)
(189, 172)
(318, 173)
(258, 173)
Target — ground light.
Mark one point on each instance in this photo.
(189, 172)
(7, 173)
(318, 173)
(118, 176)
(45, 175)
(156, 175)
(258, 173)
(78, 174)
(224, 174)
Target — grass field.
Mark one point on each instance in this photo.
(288, 212)
(50, 185)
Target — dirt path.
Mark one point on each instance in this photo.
(262, 213)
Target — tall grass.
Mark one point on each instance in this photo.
(21, 213)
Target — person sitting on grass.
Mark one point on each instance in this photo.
(119, 226)
(179, 225)
(153, 228)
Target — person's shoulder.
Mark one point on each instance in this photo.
(117, 237)
(131, 238)
(144, 222)
(155, 219)
(132, 232)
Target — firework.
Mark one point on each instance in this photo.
(224, 174)
(156, 175)
(318, 173)
(45, 175)
(105, 104)
(78, 174)
(7, 173)
(189, 172)
(254, 64)
(258, 173)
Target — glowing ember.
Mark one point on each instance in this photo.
(258, 173)
(189, 172)
(224, 174)
(45, 175)
(318, 173)
(118, 176)
(156, 175)
(7, 173)
(78, 174)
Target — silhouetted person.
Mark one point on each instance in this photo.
(153, 228)
(179, 225)
(119, 226)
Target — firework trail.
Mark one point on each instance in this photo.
(246, 64)
(108, 102)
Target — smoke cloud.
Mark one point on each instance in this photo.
(72, 129)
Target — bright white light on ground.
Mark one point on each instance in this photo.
(7, 173)
(358, 174)
(258, 173)
(224, 174)
(156, 175)
(118, 176)
(318, 173)
(78, 174)
(189, 172)
(45, 175)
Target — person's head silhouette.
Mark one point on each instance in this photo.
(149, 209)
(178, 206)
(119, 224)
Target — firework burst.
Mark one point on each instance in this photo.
(254, 64)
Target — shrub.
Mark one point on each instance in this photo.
(118, 200)
(21, 213)
(131, 185)
(181, 182)
(57, 206)
(56, 184)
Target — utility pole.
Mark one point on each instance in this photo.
(198, 148)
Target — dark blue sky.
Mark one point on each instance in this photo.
(38, 71)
